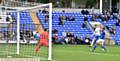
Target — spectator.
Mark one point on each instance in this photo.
(55, 38)
(106, 18)
(118, 22)
(63, 11)
(68, 34)
(40, 11)
(104, 12)
(64, 34)
(61, 20)
(13, 18)
(64, 37)
(83, 25)
(62, 41)
(115, 10)
(73, 38)
(28, 33)
(22, 35)
(107, 27)
(78, 40)
(93, 18)
(86, 12)
(113, 30)
(100, 16)
(85, 19)
(0, 17)
(46, 18)
(81, 40)
(67, 18)
(44, 11)
(55, 31)
(83, 11)
(70, 37)
(114, 17)
(68, 40)
(71, 19)
(8, 19)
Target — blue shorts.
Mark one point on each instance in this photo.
(96, 38)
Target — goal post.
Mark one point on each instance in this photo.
(18, 33)
(50, 32)
(35, 9)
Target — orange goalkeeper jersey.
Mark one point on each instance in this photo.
(44, 36)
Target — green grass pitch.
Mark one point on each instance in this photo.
(82, 53)
(26, 51)
(62, 52)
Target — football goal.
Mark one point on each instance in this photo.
(18, 26)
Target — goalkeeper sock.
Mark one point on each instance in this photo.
(37, 49)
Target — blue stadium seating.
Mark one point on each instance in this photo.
(25, 20)
(69, 26)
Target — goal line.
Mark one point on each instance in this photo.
(23, 55)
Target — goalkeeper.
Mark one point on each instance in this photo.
(43, 40)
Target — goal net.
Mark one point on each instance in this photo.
(18, 27)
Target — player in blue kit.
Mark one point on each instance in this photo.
(100, 41)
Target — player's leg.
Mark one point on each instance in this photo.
(46, 44)
(38, 47)
(95, 45)
(94, 41)
(38, 43)
(103, 46)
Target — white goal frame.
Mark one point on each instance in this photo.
(18, 9)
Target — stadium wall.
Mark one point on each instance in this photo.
(73, 10)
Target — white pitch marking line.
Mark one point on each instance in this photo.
(101, 53)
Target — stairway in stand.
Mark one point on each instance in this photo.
(37, 22)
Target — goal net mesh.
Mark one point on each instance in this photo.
(18, 26)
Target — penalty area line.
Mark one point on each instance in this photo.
(95, 53)
(104, 54)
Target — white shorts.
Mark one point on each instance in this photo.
(100, 41)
